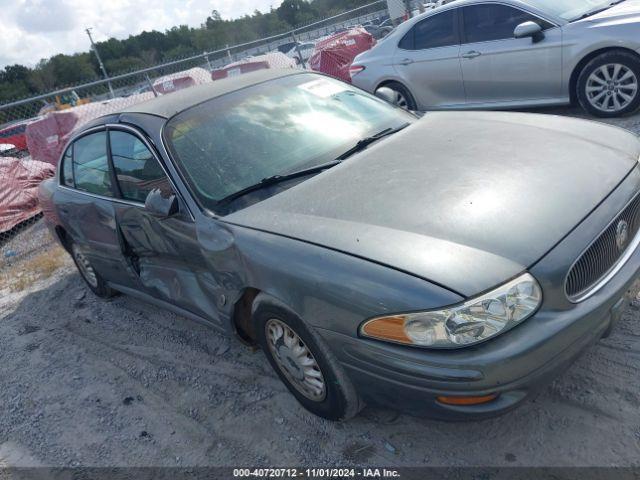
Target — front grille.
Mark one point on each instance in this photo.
(604, 253)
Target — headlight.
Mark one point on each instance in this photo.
(472, 322)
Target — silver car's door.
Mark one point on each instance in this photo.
(499, 68)
(427, 61)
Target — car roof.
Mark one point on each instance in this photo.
(169, 105)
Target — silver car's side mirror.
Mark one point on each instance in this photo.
(161, 204)
(529, 29)
(386, 94)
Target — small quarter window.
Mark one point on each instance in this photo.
(137, 170)
(90, 164)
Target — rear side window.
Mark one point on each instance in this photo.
(484, 23)
(67, 167)
(137, 170)
(90, 164)
(433, 32)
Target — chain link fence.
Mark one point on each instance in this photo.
(35, 130)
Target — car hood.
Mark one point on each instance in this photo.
(625, 12)
(465, 200)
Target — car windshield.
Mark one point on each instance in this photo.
(570, 9)
(232, 142)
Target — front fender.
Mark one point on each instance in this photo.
(326, 288)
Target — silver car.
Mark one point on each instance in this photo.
(511, 54)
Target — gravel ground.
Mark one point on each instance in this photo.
(121, 383)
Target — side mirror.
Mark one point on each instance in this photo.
(161, 204)
(529, 30)
(386, 94)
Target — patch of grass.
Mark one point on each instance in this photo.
(23, 274)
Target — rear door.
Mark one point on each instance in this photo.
(428, 61)
(163, 251)
(85, 206)
(497, 67)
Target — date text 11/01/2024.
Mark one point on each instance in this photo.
(315, 473)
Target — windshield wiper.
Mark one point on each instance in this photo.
(598, 10)
(365, 142)
(274, 179)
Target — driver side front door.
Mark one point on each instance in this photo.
(499, 68)
(163, 251)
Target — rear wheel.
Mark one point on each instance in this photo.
(304, 363)
(92, 278)
(402, 96)
(608, 86)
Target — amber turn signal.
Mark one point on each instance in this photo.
(468, 400)
(388, 328)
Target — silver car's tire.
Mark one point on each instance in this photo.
(403, 97)
(609, 85)
(91, 277)
(303, 361)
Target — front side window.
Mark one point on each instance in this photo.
(433, 32)
(137, 170)
(286, 125)
(67, 167)
(484, 23)
(91, 166)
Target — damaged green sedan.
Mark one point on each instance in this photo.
(447, 266)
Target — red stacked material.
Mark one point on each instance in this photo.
(251, 64)
(19, 180)
(178, 81)
(335, 54)
(48, 135)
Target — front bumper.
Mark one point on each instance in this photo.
(516, 364)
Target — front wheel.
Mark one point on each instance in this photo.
(304, 363)
(608, 85)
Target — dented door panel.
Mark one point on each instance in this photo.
(168, 261)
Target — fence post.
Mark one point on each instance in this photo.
(208, 62)
(155, 94)
(302, 62)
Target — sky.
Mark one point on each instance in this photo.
(31, 30)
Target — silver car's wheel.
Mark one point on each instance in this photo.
(86, 270)
(295, 360)
(402, 97)
(399, 100)
(612, 87)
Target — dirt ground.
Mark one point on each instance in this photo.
(121, 383)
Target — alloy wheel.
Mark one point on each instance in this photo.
(400, 100)
(295, 360)
(612, 87)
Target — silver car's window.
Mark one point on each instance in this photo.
(90, 164)
(569, 9)
(484, 23)
(437, 31)
(285, 125)
(137, 170)
(67, 167)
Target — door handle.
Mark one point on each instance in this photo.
(471, 54)
(406, 61)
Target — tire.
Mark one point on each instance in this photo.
(338, 400)
(92, 278)
(405, 98)
(598, 94)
